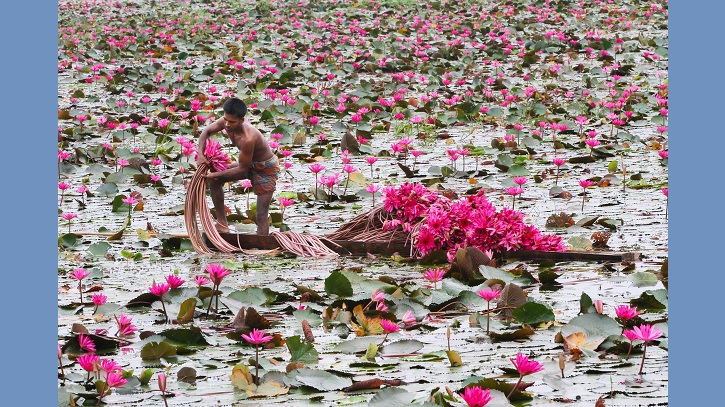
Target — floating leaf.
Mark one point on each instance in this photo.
(548, 277)
(157, 350)
(651, 300)
(348, 401)
(99, 248)
(242, 378)
(338, 284)
(268, 389)
(495, 273)
(391, 396)
(402, 347)
(185, 336)
(643, 279)
(580, 243)
(524, 333)
(365, 326)
(355, 345)
(594, 326)
(301, 351)
(322, 380)
(533, 313)
(186, 374)
(578, 340)
(186, 311)
(254, 296)
(511, 296)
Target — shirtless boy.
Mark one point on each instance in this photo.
(256, 162)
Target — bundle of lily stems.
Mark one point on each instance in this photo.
(196, 205)
(369, 227)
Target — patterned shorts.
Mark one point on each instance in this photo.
(264, 175)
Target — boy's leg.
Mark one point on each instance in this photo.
(217, 197)
(216, 190)
(263, 202)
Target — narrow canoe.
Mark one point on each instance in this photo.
(360, 248)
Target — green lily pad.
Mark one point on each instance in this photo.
(301, 351)
(533, 313)
(338, 284)
(322, 380)
(405, 346)
(157, 350)
(391, 396)
(643, 279)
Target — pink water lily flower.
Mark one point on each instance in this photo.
(79, 274)
(408, 318)
(88, 361)
(525, 367)
(159, 289)
(86, 343)
(217, 272)
(434, 275)
(125, 325)
(646, 333)
(174, 281)
(475, 396)
(625, 312)
(389, 326)
(257, 337)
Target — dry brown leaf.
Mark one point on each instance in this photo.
(578, 340)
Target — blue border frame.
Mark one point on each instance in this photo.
(697, 279)
(29, 106)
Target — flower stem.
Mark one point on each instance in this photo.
(256, 364)
(386, 337)
(60, 364)
(514, 389)
(213, 290)
(315, 186)
(630, 350)
(644, 352)
(166, 316)
(488, 316)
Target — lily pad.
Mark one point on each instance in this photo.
(338, 284)
(533, 313)
(301, 351)
(391, 396)
(405, 346)
(594, 326)
(322, 380)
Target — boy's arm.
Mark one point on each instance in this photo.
(215, 127)
(238, 172)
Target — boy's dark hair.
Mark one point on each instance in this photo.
(236, 107)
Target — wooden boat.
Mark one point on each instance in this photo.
(361, 248)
